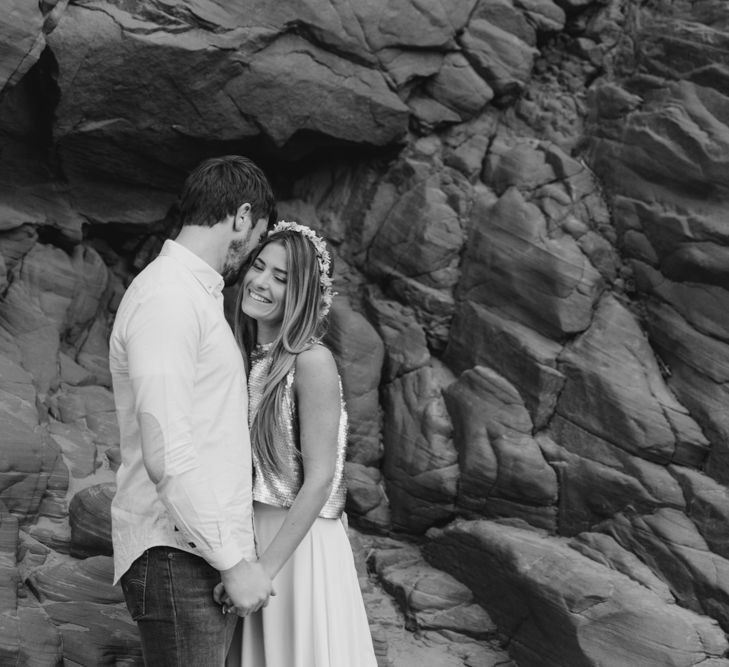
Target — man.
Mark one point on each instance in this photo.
(182, 514)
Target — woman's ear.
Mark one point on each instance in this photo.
(243, 218)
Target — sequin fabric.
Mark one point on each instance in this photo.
(280, 488)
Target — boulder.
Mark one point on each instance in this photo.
(309, 63)
(96, 634)
(465, 145)
(699, 366)
(65, 579)
(503, 471)
(430, 598)
(420, 463)
(77, 446)
(459, 88)
(28, 458)
(480, 336)
(364, 491)
(513, 265)
(17, 392)
(707, 505)
(605, 550)
(359, 353)
(34, 334)
(614, 390)
(669, 542)
(22, 40)
(416, 251)
(29, 637)
(91, 404)
(500, 57)
(404, 339)
(90, 521)
(94, 353)
(602, 481)
(560, 608)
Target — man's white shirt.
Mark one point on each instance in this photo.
(182, 405)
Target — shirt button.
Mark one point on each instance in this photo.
(191, 544)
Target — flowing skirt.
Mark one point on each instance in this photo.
(317, 617)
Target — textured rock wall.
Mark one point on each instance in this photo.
(528, 203)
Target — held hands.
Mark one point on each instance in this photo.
(244, 588)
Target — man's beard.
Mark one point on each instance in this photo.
(238, 252)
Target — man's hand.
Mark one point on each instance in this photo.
(247, 587)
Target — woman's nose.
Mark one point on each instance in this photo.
(260, 279)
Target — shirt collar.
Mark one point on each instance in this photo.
(206, 275)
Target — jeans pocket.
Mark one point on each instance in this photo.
(134, 586)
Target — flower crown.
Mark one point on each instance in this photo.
(322, 255)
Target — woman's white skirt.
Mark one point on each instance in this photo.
(317, 617)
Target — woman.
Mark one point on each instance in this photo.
(298, 434)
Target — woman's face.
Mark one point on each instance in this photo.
(264, 287)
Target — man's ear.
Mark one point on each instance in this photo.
(243, 218)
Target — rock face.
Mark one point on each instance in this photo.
(526, 201)
(559, 606)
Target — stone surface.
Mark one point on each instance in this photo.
(34, 335)
(614, 390)
(421, 463)
(90, 521)
(64, 579)
(359, 353)
(28, 458)
(366, 498)
(479, 336)
(698, 364)
(30, 638)
(22, 40)
(673, 547)
(557, 606)
(96, 634)
(430, 598)
(532, 192)
(504, 60)
(335, 55)
(603, 481)
(512, 265)
(77, 445)
(416, 249)
(404, 339)
(498, 458)
(17, 392)
(707, 504)
(605, 550)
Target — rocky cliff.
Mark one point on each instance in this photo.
(529, 204)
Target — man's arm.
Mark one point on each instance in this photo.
(163, 341)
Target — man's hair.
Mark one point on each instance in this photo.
(218, 186)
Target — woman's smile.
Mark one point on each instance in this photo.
(264, 286)
(258, 297)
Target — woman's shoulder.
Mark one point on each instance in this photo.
(316, 353)
(316, 363)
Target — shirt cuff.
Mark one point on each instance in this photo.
(224, 558)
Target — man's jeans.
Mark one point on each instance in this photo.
(169, 594)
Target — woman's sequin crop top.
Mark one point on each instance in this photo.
(279, 488)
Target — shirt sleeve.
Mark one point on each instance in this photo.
(163, 338)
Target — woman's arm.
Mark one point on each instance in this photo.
(316, 386)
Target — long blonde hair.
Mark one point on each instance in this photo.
(301, 326)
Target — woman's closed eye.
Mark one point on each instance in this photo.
(279, 275)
